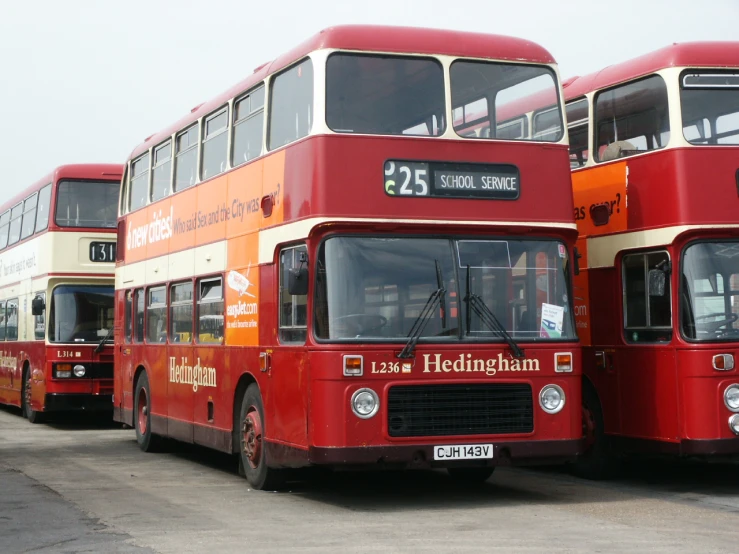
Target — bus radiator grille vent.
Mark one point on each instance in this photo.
(467, 409)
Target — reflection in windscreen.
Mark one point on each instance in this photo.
(495, 100)
(377, 287)
(710, 291)
(384, 95)
(710, 104)
(87, 204)
(80, 313)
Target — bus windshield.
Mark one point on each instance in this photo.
(710, 106)
(90, 204)
(376, 288)
(710, 291)
(80, 313)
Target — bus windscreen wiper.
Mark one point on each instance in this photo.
(477, 304)
(99, 347)
(437, 298)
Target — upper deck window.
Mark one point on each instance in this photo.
(29, 216)
(215, 144)
(42, 211)
(162, 173)
(496, 101)
(710, 106)
(15, 223)
(186, 159)
(4, 226)
(631, 119)
(248, 126)
(577, 128)
(291, 109)
(139, 182)
(87, 204)
(384, 95)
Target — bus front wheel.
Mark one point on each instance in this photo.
(252, 456)
(597, 462)
(148, 441)
(28, 412)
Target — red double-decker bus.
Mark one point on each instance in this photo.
(318, 268)
(57, 258)
(654, 152)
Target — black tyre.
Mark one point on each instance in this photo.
(597, 462)
(470, 475)
(148, 441)
(252, 455)
(29, 413)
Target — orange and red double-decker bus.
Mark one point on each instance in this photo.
(330, 264)
(57, 263)
(655, 155)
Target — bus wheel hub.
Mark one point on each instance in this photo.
(252, 430)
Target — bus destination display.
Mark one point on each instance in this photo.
(461, 180)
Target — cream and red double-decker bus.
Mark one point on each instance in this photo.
(57, 263)
(332, 264)
(655, 155)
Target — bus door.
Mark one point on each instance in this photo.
(288, 363)
(645, 365)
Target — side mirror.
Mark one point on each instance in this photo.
(38, 306)
(297, 281)
(577, 261)
(657, 280)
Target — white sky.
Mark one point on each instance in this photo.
(88, 80)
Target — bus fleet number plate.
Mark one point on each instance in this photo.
(102, 251)
(463, 452)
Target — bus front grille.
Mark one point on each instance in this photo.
(466, 409)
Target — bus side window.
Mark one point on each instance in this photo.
(139, 183)
(291, 108)
(4, 227)
(293, 308)
(210, 311)
(11, 318)
(647, 313)
(127, 317)
(42, 212)
(215, 144)
(156, 315)
(162, 171)
(248, 123)
(139, 317)
(2, 320)
(180, 316)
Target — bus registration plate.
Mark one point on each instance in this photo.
(463, 452)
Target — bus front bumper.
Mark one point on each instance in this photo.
(422, 455)
(71, 402)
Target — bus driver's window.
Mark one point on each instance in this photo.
(293, 308)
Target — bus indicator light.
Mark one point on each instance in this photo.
(353, 366)
(723, 362)
(563, 362)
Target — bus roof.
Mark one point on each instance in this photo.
(70, 171)
(687, 54)
(372, 38)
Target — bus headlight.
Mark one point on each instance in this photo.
(731, 397)
(365, 403)
(552, 399)
(79, 370)
(734, 424)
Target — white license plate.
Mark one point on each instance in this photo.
(463, 452)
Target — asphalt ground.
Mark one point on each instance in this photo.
(82, 485)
